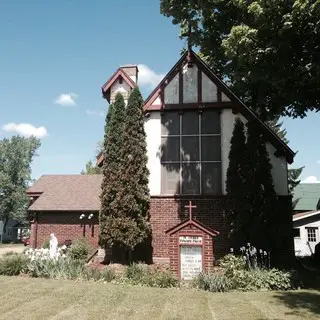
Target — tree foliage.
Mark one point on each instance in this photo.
(293, 174)
(91, 168)
(268, 51)
(16, 155)
(125, 194)
(250, 184)
(236, 183)
(112, 149)
(134, 193)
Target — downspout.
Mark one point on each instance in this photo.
(36, 231)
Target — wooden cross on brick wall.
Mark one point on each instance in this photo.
(190, 207)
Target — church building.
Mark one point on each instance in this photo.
(189, 120)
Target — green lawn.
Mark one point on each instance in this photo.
(25, 298)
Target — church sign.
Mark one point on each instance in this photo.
(191, 259)
(190, 240)
(191, 247)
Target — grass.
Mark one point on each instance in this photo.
(26, 298)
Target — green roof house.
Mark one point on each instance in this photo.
(306, 197)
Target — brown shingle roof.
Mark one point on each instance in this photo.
(67, 192)
(301, 215)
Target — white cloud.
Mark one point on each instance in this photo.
(25, 129)
(147, 77)
(311, 179)
(95, 113)
(67, 99)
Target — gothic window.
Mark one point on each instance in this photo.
(191, 153)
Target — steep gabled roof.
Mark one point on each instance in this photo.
(66, 193)
(248, 113)
(119, 73)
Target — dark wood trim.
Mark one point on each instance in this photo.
(219, 95)
(180, 86)
(199, 85)
(194, 223)
(201, 106)
(170, 75)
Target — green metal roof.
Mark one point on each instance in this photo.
(307, 196)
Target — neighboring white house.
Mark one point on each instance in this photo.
(306, 228)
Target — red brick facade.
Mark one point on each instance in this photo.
(65, 225)
(207, 247)
(165, 213)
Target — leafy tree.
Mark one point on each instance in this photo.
(267, 50)
(236, 183)
(16, 155)
(133, 225)
(112, 149)
(293, 174)
(91, 169)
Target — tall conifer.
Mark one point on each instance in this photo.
(134, 176)
(112, 148)
(237, 184)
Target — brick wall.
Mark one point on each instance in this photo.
(207, 249)
(166, 212)
(65, 225)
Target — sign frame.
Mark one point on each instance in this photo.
(189, 234)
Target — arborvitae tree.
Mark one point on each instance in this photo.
(293, 174)
(261, 194)
(112, 148)
(237, 184)
(132, 223)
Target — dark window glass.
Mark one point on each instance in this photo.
(170, 149)
(210, 122)
(190, 148)
(170, 178)
(210, 148)
(190, 178)
(190, 123)
(211, 178)
(170, 123)
(296, 232)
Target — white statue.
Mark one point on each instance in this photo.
(53, 246)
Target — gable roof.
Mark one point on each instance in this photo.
(303, 215)
(66, 193)
(307, 197)
(119, 73)
(194, 223)
(247, 112)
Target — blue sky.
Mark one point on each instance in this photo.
(55, 55)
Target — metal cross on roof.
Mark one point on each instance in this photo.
(190, 207)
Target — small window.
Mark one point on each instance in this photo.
(296, 232)
(312, 234)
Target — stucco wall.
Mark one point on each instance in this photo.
(153, 131)
(279, 165)
(301, 246)
(122, 88)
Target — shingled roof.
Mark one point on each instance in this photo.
(66, 193)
